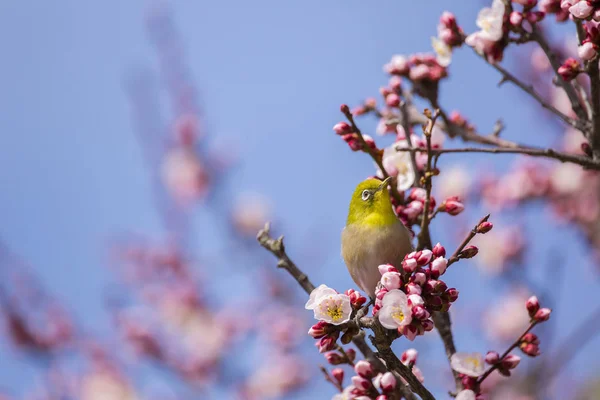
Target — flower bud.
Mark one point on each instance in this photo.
(510, 361)
(433, 286)
(359, 110)
(327, 343)
(530, 338)
(419, 278)
(569, 69)
(452, 205)
(364, 369)
(409, 265)
(451, 295)
(435, 303)
(395, 83)
(361, 383)
(392, 100)
(409, 356)
(334, 358)
(587, 51)
(318, 330)
(533, 305)
(424, 257)
(345, 109)
(391, 280)
(484, 227)
(427, 325)
(342, 128)
(534, 16)
(387, 382)
(438, 267)
(543, 314)
(516, 19)
(439, 251)
(338, 375)
(380, 293)
(492, 357)
(469, 382)
(383, 268)
(356, 299)
(415, 300)
(418, 194)
(530, 349)
(419, 312)
(413, 288)
(369, 141)
(468, 252)
(353, 142)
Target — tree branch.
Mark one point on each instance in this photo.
(381, 341)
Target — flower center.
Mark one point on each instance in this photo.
(335, 312)
(398, 315)
(474, 361)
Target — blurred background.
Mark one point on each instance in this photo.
(144, 143)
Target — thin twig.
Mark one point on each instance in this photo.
(424, 237)
(584, 161)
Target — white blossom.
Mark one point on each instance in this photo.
(329, 306)
(398, 164)
(442, 50)
(465, 395)
(470, 364)
(395, 311)
(316, 294)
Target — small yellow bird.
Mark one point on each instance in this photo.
(373, 234)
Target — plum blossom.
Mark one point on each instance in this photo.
(470, 364)
(490, 20)
(442, 50)
(329, 306)
(395, 311)
(398, 164)
(398, 65)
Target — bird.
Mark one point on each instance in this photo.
(373, 234)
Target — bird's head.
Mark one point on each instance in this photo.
(371, 205)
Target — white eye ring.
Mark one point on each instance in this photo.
(365, 195)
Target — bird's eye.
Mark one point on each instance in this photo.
(365, 195)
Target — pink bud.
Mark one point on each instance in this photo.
(361, 383)
(341, 128)
(418, 194)
(364, 369)
(384, 92)
(451, 295)
(535, 16)
(338, 375)
(345, 109)
(516, 18)
(587, 51)
(357, 300)
(542, 315)
(396, 83)
(415, 300)
(423, 257)
(359, 110)
(484, 227)
(438, 267)
(413, 209)
(569, 69)
(327, 343)
(419, 278)
(452, 206)
(530, 338)
(492, 357)
(533, 305)
(419, 312)
(388, 382)
(582, 9)
(409, 265)
(369, 141)
(469, 382)
(334, 358)
(439, 251)
(383, 268)
(391, 280)
(353, 142)
(427, 325)
(318, 330)
(468, 252)
(435, 286)
(530, 349)
(413, 288)
(392, 100)
(380, 293)
(409, 356)
(434, 303)
(510, 361)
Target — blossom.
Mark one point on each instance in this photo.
(333, 308)
(581, 9)
(386, 382)
(490, 20)
(398, 65)
(442, 50)
(465, 395)
(470, 364)
(322, 290)
(398, 164)
(395, 311)
(391, 280)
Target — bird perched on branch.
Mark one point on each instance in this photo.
(373, 234)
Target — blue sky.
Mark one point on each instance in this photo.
(271, 76)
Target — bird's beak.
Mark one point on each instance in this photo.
(384, 183)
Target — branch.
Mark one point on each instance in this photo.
(276, 247)
(594, 73)
(456, 256)
(584, 161)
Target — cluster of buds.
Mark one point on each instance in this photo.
(417, 67)
(582, 9)
(410, 212)
(503, 365)
(406, 298)
(569, 69)
(353, 139)
(490, 40)
(450, 35)
(366, 384)
(589, 46)
(537, 313)
(516, 18)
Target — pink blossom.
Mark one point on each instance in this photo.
(587, 51)
(395, 311)
(397, 66)
(532, 305)
(364, 369)
(438, 266)
(581, 9)
(492, 357)
(542, 314)
(342, 128)
(510, 361)
(386, 382)
(391, 280)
